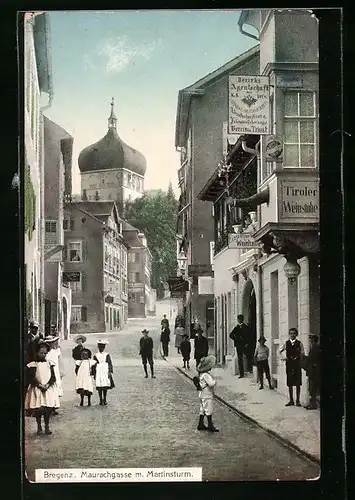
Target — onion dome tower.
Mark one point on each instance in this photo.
(110, 169)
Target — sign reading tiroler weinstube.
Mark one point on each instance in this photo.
(299, 200)
(249, 105)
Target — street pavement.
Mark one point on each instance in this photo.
(152, 423)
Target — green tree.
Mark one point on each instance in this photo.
(155, 215)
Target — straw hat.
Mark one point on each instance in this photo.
(206, 364)
(82, 337)
(51, 339)
(102, 342)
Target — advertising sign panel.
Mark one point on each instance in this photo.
(242, 240)
(249, 105)
(299, 200)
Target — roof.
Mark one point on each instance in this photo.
(97, 207)
(213, 189)
(185, 95)
(127, 227)
(111, 152)
(42, 41)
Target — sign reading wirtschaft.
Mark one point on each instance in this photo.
(242, 240)
(249, 105)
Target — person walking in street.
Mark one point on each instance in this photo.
(76, 352)
(240, 335)
(42, 394)
(146, 351)
(103, 370)
(164, 321)
(179, 334)
(294, 353)
(201, 346)
(165, 339)
(312, 366)
(261, 357)
(205, 384)
(54, 355)
(84, 372)
(185, 348)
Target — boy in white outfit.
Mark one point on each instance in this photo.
(205, 383)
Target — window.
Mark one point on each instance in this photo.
(138, 277)
(68, 223)
(75, 251)
(299, 129)
(75, 314)
(75, 286)
(51, 226)
(132, 277)
(84, 313)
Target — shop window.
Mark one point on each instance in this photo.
(75, 314)
(299, 129)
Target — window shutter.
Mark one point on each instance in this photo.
(65, 253)
(71, 224)
(84, 250)
(84, 284)
(84, 313)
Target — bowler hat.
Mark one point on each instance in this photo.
(80, 337)
(261, 338)
(33, 323)
(145, 331)
(206, 364)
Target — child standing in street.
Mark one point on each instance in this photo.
(261, 358)
(42, 394)
(185, 348)
(294, 354)
(83, 371)
(103, 370)
(54, 355)
(205, 383)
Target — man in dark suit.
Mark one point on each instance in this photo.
(242, 338)
(313, 371)
(201, 346)
(146, 351)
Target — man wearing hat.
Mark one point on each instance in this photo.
(206, 393)
(76, 352)
(146, 351)
(312, 366)
(34, 338)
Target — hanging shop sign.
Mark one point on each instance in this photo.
(178, 284)
(244, 241)
(200, 270)
(273, 149)
(299, 200)
(135, 287)
(249, 105)
(205, 285)
(69, 276)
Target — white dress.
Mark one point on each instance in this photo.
(102, 370)
(83, 378)
(53, 355)
(35, 398)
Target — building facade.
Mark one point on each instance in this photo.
(201, 112)
(111, 170)
(272, 202)
(58, 151)
(141, 296)
(38, 95)
(95, 266)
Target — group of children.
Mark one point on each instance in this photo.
(43, 378)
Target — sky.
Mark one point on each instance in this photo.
(142, 59)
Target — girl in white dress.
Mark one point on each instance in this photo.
(83, 370)
(55, 355)
(42, 394)
(103, 370)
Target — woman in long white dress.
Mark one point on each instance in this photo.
(54, 355)
(42, 394)
(83, 369)
(103, 371)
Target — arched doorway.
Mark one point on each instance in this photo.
(249, 307)
(65, 318)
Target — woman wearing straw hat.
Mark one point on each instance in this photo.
(205, 383)
(76, 352)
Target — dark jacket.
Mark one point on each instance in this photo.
(312, 363)
(165, 336)
(146, 346)
(201, 347)
(241, 336)
(76, 352)
(185, 348)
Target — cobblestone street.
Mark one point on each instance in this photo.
(152, 423)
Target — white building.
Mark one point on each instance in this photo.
(38, 96)
(275, 286)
